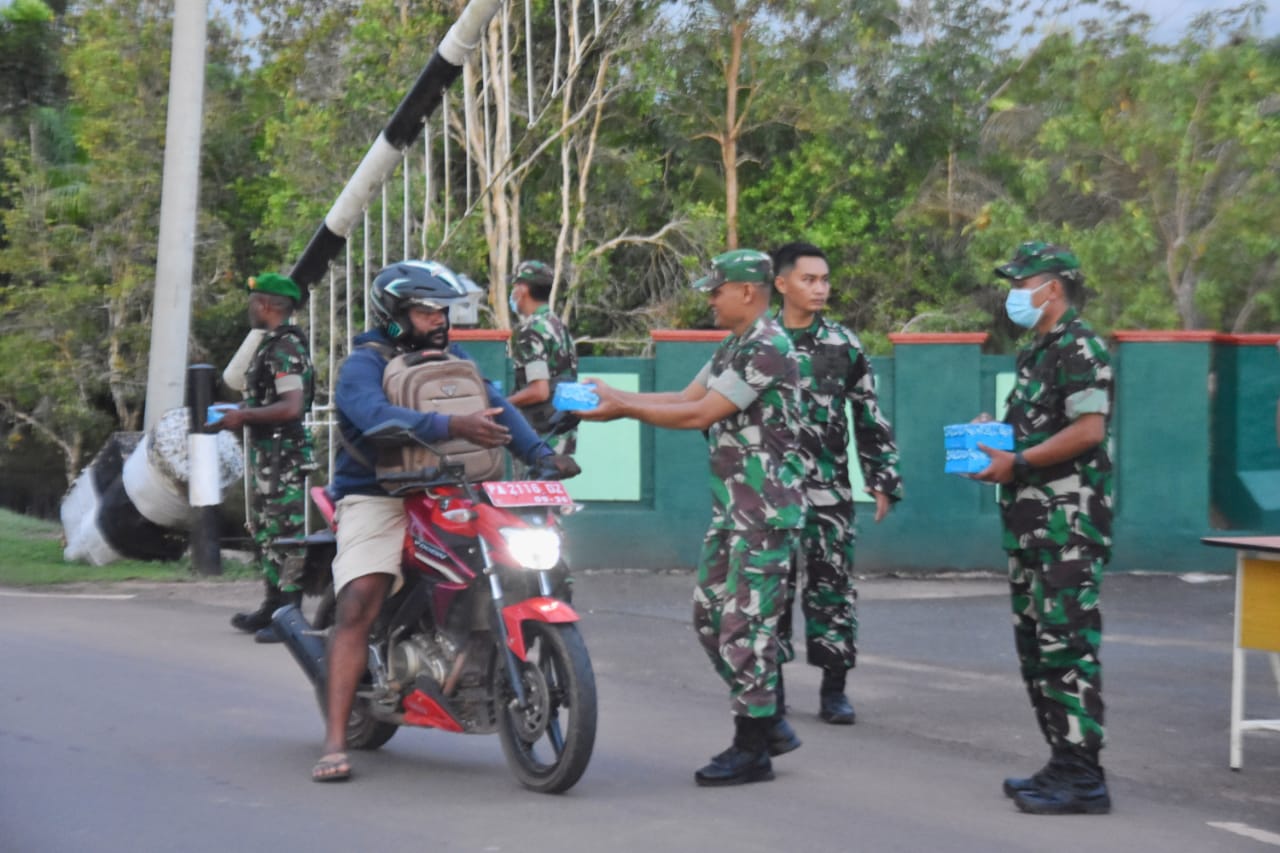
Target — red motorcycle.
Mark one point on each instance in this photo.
(481, 637)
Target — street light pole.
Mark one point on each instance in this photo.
(179, 195)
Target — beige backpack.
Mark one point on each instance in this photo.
(441, 383)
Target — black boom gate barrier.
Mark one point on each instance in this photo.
(387, 150)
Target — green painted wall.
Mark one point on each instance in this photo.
(646, 493)
(1246, 459)
(945, 522)
(491, 358)
(1160, 442)
(664, 527)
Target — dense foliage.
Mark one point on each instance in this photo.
(917, 141)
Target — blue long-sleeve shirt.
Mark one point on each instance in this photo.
(362, 404)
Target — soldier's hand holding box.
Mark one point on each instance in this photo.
(575, 397)
(961, 443)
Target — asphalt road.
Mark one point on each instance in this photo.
(144, 723)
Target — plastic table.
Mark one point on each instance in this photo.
(1257, 623)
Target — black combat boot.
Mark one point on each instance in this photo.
(1015, 784)
(1077, 786)
(260, 618)
(834, 706)
(781, 738)
(268, 633)
(746, 761)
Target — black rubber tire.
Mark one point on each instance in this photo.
(549, 745)
(363, 731)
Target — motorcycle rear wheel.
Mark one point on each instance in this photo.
(364, 731)
(549, 744)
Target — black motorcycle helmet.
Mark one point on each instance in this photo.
(399, 287)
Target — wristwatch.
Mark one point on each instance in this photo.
(1021, 467)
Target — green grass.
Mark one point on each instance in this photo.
(31, 555)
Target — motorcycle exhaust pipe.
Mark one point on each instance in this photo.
(303, 642)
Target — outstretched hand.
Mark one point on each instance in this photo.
(480, 428)
(610, 406)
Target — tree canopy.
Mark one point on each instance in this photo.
(627, 141)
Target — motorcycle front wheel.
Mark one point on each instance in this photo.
(548, 743)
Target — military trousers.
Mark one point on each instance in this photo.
(740, 592)
(822, 576)
(1057, 629)
(278, 510)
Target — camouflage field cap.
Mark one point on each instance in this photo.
(280, 285)
(534, 273)
(738, 265)
(1036, 256)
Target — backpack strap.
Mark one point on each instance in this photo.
(388, 352)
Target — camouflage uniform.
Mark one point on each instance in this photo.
(1057, 530)
(280, 456)
(833, 370)
(543, 349)
(757, 502)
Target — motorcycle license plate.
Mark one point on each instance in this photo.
(527, 493)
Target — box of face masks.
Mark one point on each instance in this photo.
(574, 397)
(961, 444)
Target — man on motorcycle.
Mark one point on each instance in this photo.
(409, 302)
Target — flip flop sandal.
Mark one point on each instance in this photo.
(333, 767)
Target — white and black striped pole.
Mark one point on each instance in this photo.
(203, 488)
(387, 150)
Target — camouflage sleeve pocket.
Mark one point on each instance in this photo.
(1090, 401)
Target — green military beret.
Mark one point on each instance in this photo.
(534, 273)
(280, 285)
(739, 265)
(1036, 256)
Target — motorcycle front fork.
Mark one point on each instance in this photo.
(499, 626)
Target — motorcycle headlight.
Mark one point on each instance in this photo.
(533, 547)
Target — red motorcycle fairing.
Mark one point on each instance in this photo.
(421, 710)
(540, 609)
(427, 521)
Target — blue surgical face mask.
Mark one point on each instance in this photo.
(1019, 308)
(515, 309)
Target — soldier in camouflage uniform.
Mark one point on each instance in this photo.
(543, 352)
(746, 400)
(1056, 506)
(279, 386)
(834, 371)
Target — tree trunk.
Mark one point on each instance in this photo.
(566, 149)
(729, 141)
(1183, 281)
(585, 159)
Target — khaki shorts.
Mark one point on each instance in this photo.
(370, 539)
